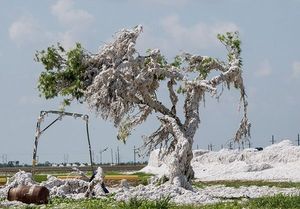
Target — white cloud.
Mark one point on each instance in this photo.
(25, 30)
(200, 35)
(264, 69)
(76, 22)
(296, 69)
(69, 16)
(174, 3)
(178, 37)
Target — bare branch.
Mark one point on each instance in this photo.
(173, 96)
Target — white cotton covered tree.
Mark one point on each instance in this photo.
(122, 85)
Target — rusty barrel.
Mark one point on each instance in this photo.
(29, 194)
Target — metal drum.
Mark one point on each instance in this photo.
(29, 194)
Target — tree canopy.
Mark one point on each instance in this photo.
(122, 85)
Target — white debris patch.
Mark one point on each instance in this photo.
(247, 192)
(65, 188)
(14, 204)
(20, 178)
(155, 165)
(278, 162)
(69, 188)
(207, 195)
(177, 194)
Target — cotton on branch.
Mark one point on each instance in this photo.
(120, 84)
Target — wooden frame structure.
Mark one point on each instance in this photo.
(60, 114)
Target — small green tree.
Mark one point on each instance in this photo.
(122, 85)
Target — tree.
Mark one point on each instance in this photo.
(122, 85)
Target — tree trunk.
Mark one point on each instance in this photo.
(181, 171)
(179, 163)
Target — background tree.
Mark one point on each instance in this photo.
(122, 85)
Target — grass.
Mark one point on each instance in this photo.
(112, 173)
(40, 177)
(143, 177)
(274, 202)
(238, 183)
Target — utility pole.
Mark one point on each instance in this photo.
(134, 155)
(65, 158)
(273, 140)
(100, 152)
(249, 144)
(118, 154)
(93, 156)
(4, 158)
(112, 156)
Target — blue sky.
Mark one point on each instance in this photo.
(269, 30)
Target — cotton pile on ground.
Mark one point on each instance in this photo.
(76, 189)
(206, 195)
(70, 188)
(278, 162)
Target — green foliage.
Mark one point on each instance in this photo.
(202, 69)
(181, 90)
(162, 61)
(233, 43)
(63, 73)
(177, 61)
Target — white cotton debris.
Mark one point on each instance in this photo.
(124, 184)
(207, 195)
(68, 188)
(94, 187)
(155, 165)
(65, 188)
(14, 204)
(20, 178)
(278, 162)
